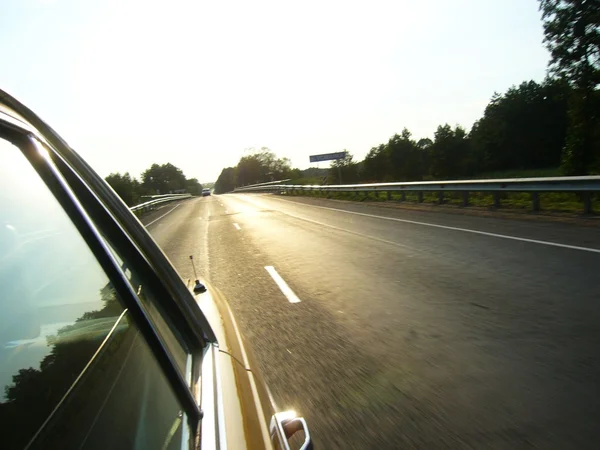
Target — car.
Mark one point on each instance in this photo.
(102, 345)
(205, 192)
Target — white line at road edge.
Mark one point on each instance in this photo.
(445, 227)
(168, 212)
(237, 227)
(287, 291)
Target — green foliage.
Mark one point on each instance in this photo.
(406, 158)
(572, 35)
(347, 168)
(312, 175)
(126, 187)
(376, 164)
(581, 154)
(193, 186)
(522, 129)
(258, 166)
(450, 153)
(226, 181)
(163, 179)
(158, 179)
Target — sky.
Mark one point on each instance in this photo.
(129, 83)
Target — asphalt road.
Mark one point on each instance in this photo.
(414, 329)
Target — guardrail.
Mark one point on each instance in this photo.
(157, 200)
(584, 186)
(268, 183)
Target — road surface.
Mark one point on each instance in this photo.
(389, 328)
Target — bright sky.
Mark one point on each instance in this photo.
(194, 83)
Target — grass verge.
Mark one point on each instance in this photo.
(552, 202)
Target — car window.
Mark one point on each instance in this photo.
(167, 332)
(74, 369)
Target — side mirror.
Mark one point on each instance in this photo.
(286, 424)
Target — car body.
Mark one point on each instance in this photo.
(102, 345)
(205, 192)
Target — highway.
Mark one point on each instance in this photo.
(395, 328)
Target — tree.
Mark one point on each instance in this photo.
(449, 153)
(163, 179)
(125, 186)
(193, 186)
(406, 158)
(376, 165)
(524, 128)
(572, 35)
(260, 166)
(424, 143)
(226, 181)
(346, 167)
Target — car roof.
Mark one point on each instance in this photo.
(9, 115)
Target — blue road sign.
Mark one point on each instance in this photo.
(327, 156)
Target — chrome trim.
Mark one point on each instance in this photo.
(186, 443)
(209, 427)
(188, 369)
(220, 404)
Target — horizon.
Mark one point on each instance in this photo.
(195, 84)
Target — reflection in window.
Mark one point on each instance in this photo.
(57, 309)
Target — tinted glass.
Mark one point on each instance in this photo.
(61, 322)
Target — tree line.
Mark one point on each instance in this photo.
(550, 125)
(157, 179)
(257, 166)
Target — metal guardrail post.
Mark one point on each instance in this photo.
(587, 202)
(585, 187)
(535, 201)
(496, 199)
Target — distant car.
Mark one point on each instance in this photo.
(102, 345)
(205, 192)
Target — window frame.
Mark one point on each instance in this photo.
(123, 232)
(30, 144)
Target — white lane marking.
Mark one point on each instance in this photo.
(466, 230)
(237, 227)
(287, 291)
(168, 212)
